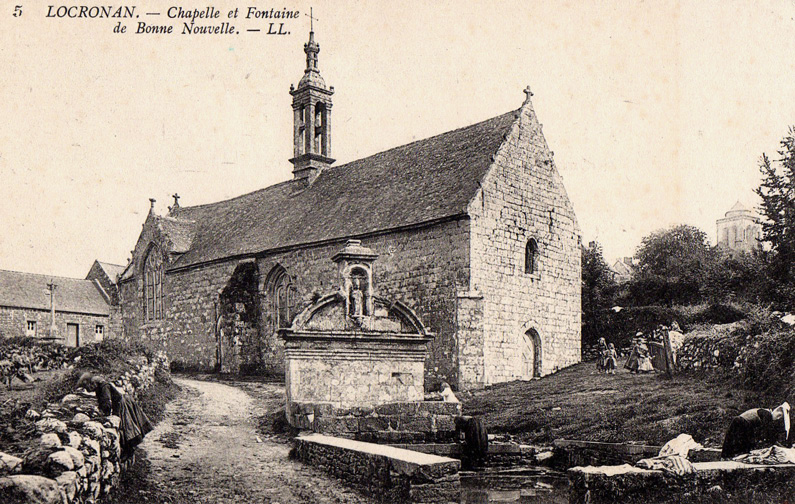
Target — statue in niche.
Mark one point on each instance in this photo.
(358, 294)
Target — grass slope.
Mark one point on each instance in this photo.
(579, 403)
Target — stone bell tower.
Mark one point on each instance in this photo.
(312, 119)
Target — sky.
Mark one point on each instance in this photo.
(657, 112)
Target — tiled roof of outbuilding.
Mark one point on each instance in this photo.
(423, 181)
(29, 290)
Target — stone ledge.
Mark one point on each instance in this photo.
(626, 483)
(394, 474)
(412, 458)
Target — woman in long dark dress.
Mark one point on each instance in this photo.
(757, 428)
(134, 423)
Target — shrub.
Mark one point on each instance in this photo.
(620, 327)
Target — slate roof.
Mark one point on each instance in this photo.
(29, 290)
(111, 270)
(180, 232)
(622, 268)
(423, 181)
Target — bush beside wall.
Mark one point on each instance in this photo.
(72, 453)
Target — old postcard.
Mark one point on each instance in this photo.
(366, 251)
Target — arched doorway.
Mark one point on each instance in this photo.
(237, 321)
(531, 354)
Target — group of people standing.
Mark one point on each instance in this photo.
(607, 361)
(639, 360)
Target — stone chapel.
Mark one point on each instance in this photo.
(472, 228)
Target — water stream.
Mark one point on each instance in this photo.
(518, 485)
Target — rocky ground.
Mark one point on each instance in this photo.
(208, 450)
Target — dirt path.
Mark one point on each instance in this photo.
(206, 450)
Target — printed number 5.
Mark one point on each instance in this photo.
(17, 11)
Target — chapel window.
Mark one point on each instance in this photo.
(284, 299)
(99, 332)
(153, 285)
(30, 331)
(531, 256)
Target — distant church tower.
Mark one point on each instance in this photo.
(740, 230)
(312, 119)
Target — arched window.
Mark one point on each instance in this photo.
(283, 295)
(153, 285)
(531, 256)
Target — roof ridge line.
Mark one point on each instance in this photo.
(358, 159)
(44, 275)
(425, 139)
(284, 182)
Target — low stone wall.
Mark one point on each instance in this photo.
(391, 474)
(569, 453)
(498, 454)
(74, 452)
(398, 422)
(722, 481)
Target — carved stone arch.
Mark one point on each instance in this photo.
(406, 314)
(276, 271)
(532, 350)
(330, 313)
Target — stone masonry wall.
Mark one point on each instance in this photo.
(423, 268)
(187, 332)
(523, 197)
(73, 457)
(14, 322)
(394, 422)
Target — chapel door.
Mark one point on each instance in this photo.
(528, 357)
(72, 335)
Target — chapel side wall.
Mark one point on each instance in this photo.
(193, 294)
(422, 268)
(13, 323)
(187, 331)
(523, 197)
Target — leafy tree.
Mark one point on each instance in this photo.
(671, 266)
(735, 277)
(598, 284)
(777, 192)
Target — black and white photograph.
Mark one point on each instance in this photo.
(423, 252)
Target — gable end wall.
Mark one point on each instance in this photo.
(522, 196)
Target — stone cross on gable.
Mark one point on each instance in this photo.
(528, 93)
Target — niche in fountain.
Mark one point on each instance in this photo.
(353, 349)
